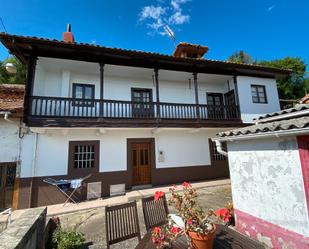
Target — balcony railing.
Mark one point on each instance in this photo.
(94, 108)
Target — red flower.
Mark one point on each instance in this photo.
(186, 185)
(175, 230)
(157, 230)
(224, 214)
(158, 195)
(189, 222)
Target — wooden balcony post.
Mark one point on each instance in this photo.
(196, 95)
(29, 86)
(101, 89)
(156, 71)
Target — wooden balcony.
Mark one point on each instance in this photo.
(60, 111)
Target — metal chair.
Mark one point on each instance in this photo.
(155, 212)
(121, 223)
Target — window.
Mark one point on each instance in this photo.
(83, 155)
(83, 91)
(258, 93)
(216, 156)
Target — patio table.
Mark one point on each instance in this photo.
(226, 238)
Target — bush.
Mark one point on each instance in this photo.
(67, 239)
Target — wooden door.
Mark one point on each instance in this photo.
(142, 103)
(215, 105)
(7, 180)
(230, 105)
(141, 163)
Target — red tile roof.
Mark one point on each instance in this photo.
(12, 98)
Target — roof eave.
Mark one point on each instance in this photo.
(22, 47)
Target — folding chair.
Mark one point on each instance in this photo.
(64, 185)
(155, 212)
(121, 223)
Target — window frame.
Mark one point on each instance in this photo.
(83, 171)
(83, 101)
(258, 96)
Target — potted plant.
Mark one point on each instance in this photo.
(195, 223)
(198, 227)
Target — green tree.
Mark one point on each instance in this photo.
(241, 57)
(18, 78)
(293, 86)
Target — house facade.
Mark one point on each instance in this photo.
(129, 118)
(269, 168)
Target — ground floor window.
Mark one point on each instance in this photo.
(216, 156)
(84, 155)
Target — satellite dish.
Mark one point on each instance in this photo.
(10, 68)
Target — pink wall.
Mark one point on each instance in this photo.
(272, 235)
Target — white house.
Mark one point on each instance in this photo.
(269, 168)
(11, 106)
(129, 117)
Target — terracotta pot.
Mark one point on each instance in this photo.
(202, 241)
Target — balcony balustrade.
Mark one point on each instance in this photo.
(58, 107)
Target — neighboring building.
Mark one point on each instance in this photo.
(269, 169)
(11, 107)
(129, 117)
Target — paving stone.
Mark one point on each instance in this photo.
(92, 222)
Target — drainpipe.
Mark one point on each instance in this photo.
(34, 155)
(6, 116)
(219, 148)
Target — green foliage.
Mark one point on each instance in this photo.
(294, 86)
(241, 57)
(18, 78)
(67, 239)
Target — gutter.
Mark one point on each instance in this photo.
(276, 134)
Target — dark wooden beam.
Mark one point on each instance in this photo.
(29, 86)
(101, 88)
(156, 75)
(196, 95)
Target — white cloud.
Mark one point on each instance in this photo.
(178, 18)
(270, 8)
(152, 12)
(165, 13)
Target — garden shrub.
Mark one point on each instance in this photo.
(67, 239)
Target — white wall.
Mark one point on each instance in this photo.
(54, 77)
(267, 182)
(9, 141)
(181, 148)
(250, 110)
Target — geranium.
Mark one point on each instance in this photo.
(224, 214)
(158, 195)
(186, 185)
(164, 236)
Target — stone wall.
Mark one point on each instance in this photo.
(27, 232)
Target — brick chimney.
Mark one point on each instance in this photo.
(68, 35)
(188, 50)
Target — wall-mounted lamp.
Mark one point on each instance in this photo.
(10, 68)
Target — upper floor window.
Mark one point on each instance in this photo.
(258, 93)
(83, 91)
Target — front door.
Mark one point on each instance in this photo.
(7, 180)
(215, 106)
(141, 163)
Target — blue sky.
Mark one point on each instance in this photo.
(265, 29)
